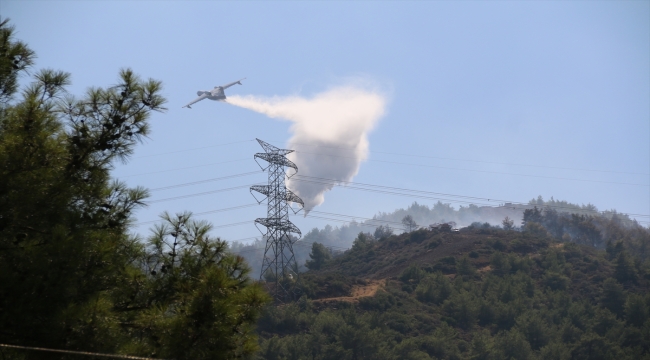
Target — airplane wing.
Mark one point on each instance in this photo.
(197, 100)
(233, 83)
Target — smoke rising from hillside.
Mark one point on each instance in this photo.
(329, 133)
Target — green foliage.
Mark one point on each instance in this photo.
(508, 224)
(636, 310)
(464, 267)
(500, 264)
(435, 288)
(320, 255)
(556, 281)
(15, 58)
(418, 236)
(613, 296)
(548, 301)
(585, 225)
(383, 232)
(198, 299)
(63, 222)
(462, 307)
(362, 242)
(71, 276)
(413, 274)
(625, 271)
(409, 223)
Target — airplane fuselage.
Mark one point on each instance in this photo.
(215, 94)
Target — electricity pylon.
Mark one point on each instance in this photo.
(279, 267)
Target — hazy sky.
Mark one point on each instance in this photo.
(497, 100)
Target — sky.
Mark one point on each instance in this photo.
(501, 100)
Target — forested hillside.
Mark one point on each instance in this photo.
(480, 293)
(588, 226)
(339, 238)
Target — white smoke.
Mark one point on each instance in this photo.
(330, 134)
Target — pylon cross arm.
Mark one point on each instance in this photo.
(272, 149)
(262, 189)
(294, 198)
(277, 160)
(285, 226)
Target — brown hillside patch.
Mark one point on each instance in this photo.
(358, 291)
(485, 269)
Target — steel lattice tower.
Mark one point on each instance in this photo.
(279, 262)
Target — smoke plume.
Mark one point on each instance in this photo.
(329, 134)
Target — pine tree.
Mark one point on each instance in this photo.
(409, 223)
(15, 58)
(200, 301)
(71, 276)
(624, 271)
(63, 221)
(319, 256)
(508, 224)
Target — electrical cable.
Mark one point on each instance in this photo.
(233, 224)
(332, 182)
(402, 154)
(185, 168)
(297, 243)
(354, 217)
(248, 238)
(335, 182)
(360, 186)
(199, 148)
(394, 188)
(351, 187)
(343, 221)
(201, 193)
(481, 171)
(206, 212)
(86, 353)
(338, 182)
(206, 180)
(477, 161)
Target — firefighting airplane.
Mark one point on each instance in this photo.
(214, 94)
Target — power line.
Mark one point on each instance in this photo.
(383, 190)
(86, 353)
(233, 224)
(355, 217)
(386, 190)
(344, 221)
(201, 193)
(481, 171)
(359, 186)
(206, 180)
(401, 189)
(296, 243)
(192, 149)
(185, 168)
(207, 212)
(403, 154)
(248, 238)
(476, 161)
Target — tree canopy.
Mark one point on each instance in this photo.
(71, 274)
